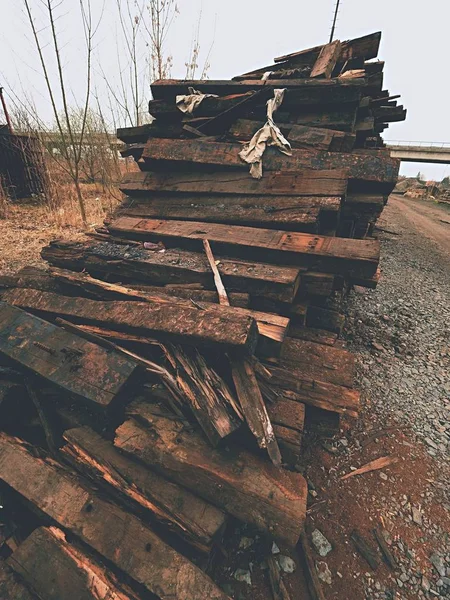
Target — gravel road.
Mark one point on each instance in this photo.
(400, 333)
(401, 330)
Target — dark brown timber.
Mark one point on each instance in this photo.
(82, 369)
(175, 267)
(253, 407)
(242, 484)
(55, 569)
(280, 183)
(346, 256)
(214, 324)
(108, 529)
(332, 170)
(326, 61)
(185, 514)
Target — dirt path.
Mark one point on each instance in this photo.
(426, 217)
(400, 334)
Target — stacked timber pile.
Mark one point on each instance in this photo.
(337, 178)
(157, 378)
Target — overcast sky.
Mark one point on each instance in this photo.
(247, 34)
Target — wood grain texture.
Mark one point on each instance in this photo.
(299, 136)
(214, 325)
(115, 534)
(246, 486)
(318, 362)
(253, 407)
(283, 182)
(165, 502)
(175, 267)
(57, 570)
(80, 368)
(294, 213)
(332, 169)
(333, 255)
(304, 91)
(327, 59)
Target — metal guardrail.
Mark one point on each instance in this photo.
(413, 144)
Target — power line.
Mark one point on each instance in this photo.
(334, 20)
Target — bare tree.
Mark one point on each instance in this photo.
(141, 54)
(131, 23)
(162, 14)
(194, 55)
(72, 139)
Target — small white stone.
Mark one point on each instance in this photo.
(323, 572)
(243, 575)
(245, 543)
(320, 543)
(275, 549)
(286, 564)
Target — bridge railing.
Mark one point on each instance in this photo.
(418, 144)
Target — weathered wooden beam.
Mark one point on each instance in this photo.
(333, 255)
(321, 363)
(142, 490)
(174, 266)
(337, 117)
(365, 47)
(317, 284)
(326, 61)
(287, 413)
(56, 569)
(253, 407)
(265, 321)
(244, 485)
(105, 290)
(222, 120)
(216, 112)
(213, 325)
(304, 91)
(84, 370)
(108, 529)
(299, 136)
(388, 114)
(211, 401)
(293, 183)
(290, 441)
(288, 418)
(297, 385)
(332, 169)
(11, 586)
(287, 212)
(139, 135)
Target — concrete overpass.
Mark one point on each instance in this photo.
(420, 152)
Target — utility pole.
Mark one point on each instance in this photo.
(334, 20)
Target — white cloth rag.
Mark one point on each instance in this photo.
(189, 103)
(269, 135)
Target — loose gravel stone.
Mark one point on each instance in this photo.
(320, 543)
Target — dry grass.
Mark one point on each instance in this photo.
(4, 203)
(29, 226)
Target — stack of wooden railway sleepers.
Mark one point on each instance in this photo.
(337, 178)
(157, 378)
